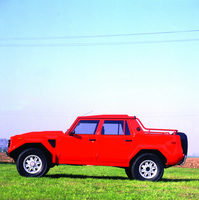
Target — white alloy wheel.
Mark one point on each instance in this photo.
(148, 169)
(32, 164)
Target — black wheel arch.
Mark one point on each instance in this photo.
(155, 152)
(14, 154)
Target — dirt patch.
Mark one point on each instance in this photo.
(5, 158)
(190, 162)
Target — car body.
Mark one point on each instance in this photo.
(106, 140)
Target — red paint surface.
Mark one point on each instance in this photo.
(107, 150)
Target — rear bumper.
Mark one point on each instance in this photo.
(182, 161)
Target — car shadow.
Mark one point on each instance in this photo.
(55, 176)
(178, 180)
(7, 163)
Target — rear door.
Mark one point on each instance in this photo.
(114, 143)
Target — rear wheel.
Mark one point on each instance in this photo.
(32, 163)
(147, 167)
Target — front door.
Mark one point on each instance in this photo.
(79, 146)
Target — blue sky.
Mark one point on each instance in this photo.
(50, 75)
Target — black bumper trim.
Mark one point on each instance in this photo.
(182, 161)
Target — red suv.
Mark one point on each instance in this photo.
(106, 140)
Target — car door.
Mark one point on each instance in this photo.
(114, 142)
(79, 146)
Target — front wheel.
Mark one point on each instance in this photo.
(32, 163)
(147, 167)
(128, 172)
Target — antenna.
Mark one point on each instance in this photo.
(87, 113)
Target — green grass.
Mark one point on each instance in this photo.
(95, 182)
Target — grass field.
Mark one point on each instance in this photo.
(95, 182)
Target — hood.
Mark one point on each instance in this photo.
(48, 134)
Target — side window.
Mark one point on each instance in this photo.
(86, 127)
(127, 131)
(112, 128)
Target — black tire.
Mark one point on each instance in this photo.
(184, 142)
(32, 163)
(147, 167)
(48, 168)
(128, 172)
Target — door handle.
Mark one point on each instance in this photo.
(92, 139)
(128, 140)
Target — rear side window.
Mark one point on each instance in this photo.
(112, 127)
(127, 131)
(86, 127)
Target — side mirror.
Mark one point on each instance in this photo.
(72, 133)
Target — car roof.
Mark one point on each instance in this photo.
(107, 117)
